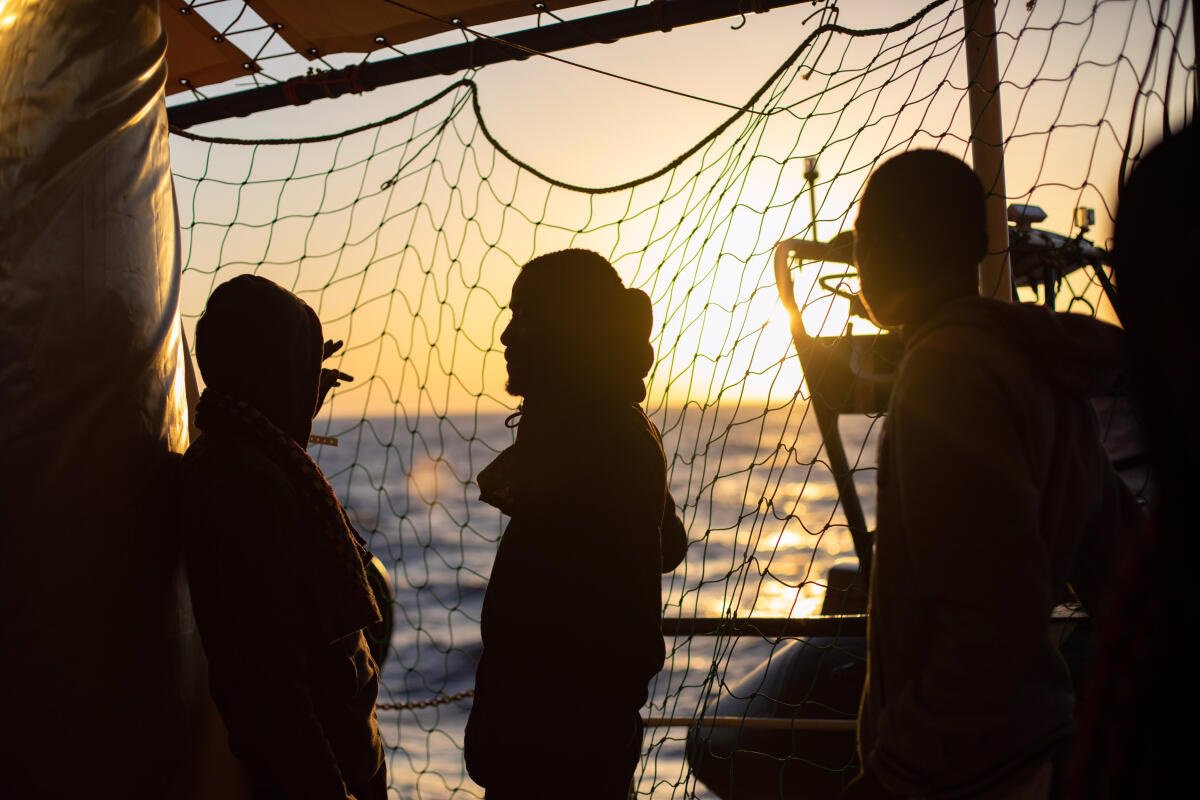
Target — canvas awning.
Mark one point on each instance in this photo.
(314, 29)
(198, 55)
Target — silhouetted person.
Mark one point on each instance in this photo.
(995, 500)
(1139, 689)
(571, 622)
(277, 580)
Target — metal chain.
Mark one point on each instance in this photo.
(440, 700)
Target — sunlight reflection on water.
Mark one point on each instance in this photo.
(764, 527)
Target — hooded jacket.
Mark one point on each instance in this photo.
(573, 610)
(276, 578)
(996, 499)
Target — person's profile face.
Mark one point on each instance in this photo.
(516, 338)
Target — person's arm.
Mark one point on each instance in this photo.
(674, 536)
(245, 598)
(969, 505)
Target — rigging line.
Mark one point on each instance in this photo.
(531, 51)
(954, 35)
(787, 64)
(235, 20)
(500, 148)
(829, 8)
(459, 103)
(187, 133)
(1183, 9)
(1126, 159)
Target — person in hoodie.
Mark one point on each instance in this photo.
(571, 621)
(996, 501)
(277, 578)
(1129, 743)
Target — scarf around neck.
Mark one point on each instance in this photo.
(331, 555)
(551, 451)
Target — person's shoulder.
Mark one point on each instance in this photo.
(1020, 344)
(230, 494)
(951, 354)
(226, 464)
(634, 448)
(974, 340)
(955, 370)
(634, 432)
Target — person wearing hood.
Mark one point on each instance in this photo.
(572, 618)
(1129, 743)
(277, 578)
(996, 501)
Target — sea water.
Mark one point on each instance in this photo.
(764, 525)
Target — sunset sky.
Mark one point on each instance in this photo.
(415, 274)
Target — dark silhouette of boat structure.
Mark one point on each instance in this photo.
(787, 729)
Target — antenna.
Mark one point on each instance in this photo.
(810, 176)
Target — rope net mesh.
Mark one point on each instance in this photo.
(406, 235)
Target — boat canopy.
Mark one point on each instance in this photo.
(199, 55)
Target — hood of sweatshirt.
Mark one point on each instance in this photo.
(259, 343)
(1079, 354)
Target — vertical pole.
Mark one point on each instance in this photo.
(1195, 50)
(987, 142)
(810, 176)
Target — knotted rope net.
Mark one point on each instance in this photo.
(405, 235)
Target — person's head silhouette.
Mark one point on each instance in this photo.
(260, 344)
(1154, 243)
(577, 335)
(920, 235)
